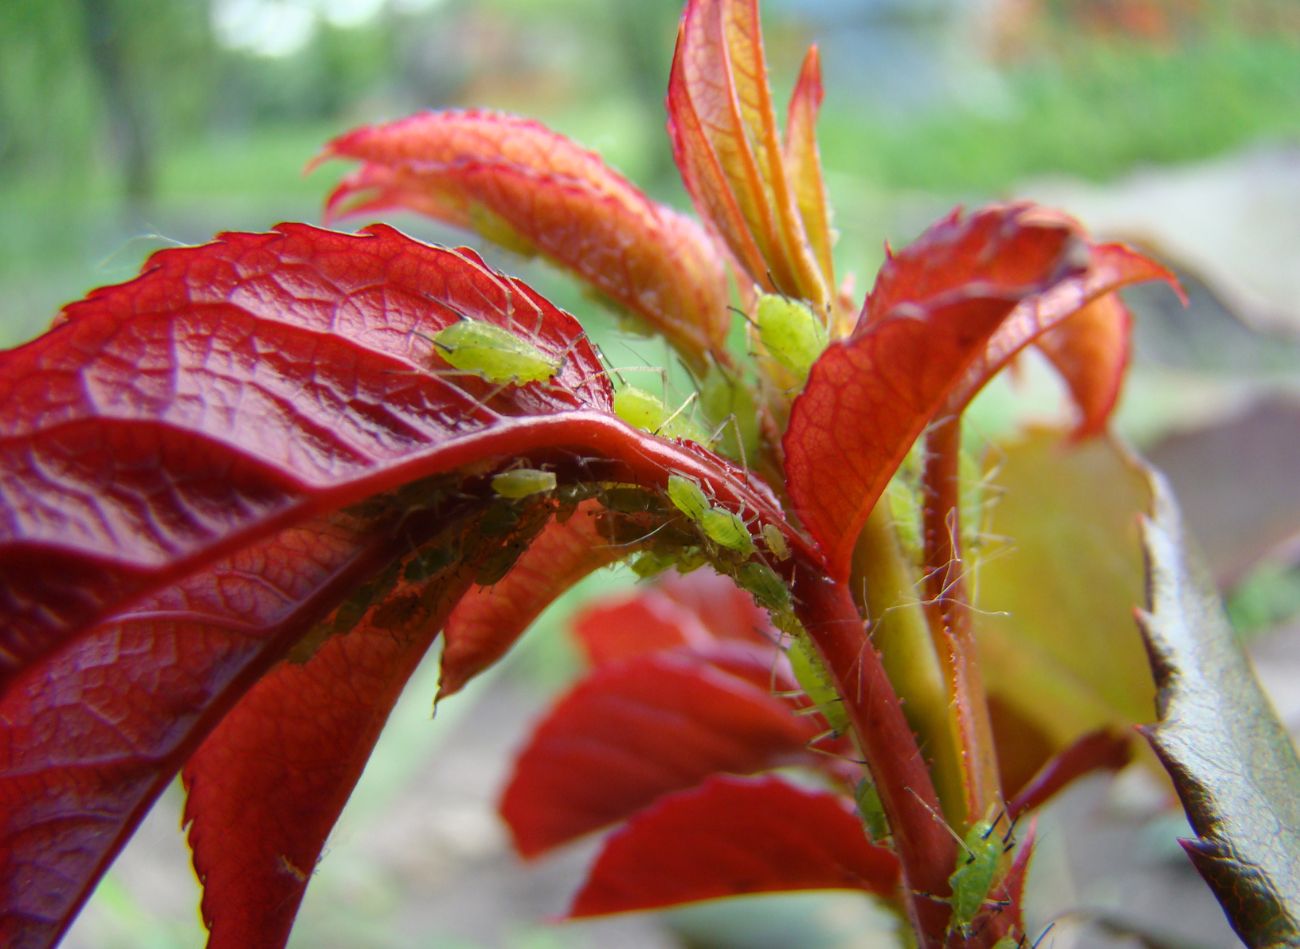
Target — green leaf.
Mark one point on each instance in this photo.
(1058, 573)
(1231, 760)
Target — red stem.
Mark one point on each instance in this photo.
(924, 845)
(947, 608)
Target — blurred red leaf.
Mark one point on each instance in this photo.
(633, 731)
(1090, 350)
(930, 316)
(732, 837)
(725, 142)
(1100, 750)
(695, 610)
(525, 186)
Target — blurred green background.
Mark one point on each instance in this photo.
(130, 125)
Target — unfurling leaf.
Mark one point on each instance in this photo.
(727, 149)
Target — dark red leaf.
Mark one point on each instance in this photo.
(488, 620)
(633, 731)
(929, 318)
(694, 610)
(732, 837)
(94, 734)
(175, 459)
(235, 388)
(528, 188)
(265, 788)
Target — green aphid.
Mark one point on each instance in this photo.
(688, 497)
(871, 810)
(647, 412)
(973, 878)
(523, 482)
(761, 582)
(813, 678)
(775, 542)
(493, 353)
(727, 530)
(791, 332)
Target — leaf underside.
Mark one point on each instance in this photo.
(1232, 762)
(251, 455)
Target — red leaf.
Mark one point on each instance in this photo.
(94, 734)
(1096, 751)
(732, 837)
(929, 318)
(235, 388)
(265, 788)
(1080, 326)
(181, 445)
(518, 182)
(694, 610)
(488, 620)
(633, 731)
(726, 146)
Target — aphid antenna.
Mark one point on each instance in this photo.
(811, 745)
(740, 441)
(743, 315)
(637, 541)
(938, 819)
(1024, 941)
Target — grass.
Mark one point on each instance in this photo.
(1096, 113)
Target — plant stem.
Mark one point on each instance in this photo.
(901, 632)
(926, 849)
(947, 608)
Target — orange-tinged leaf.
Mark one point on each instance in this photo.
(803, 161)
(530, 188)
(930, 317)
(707, 182)
(728, 150)
(1090, 350)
